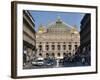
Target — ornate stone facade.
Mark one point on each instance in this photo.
(57, 39)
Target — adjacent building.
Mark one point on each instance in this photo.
(29, 38)
(85, 37)
(57, 39)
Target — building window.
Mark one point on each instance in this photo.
(40, 42)
(47, 54)
(53, 47)
(53, 54)
(47, 47)
(40, 54)
(70, 47)
(75, 42)
(58, 54)
(76, 47)
(58, 46)
(69, 42)
(64, 47)
(69, 54)
(64, 54)
(40, 47)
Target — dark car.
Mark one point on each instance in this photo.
(50, 62)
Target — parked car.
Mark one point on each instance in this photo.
(49, 62)
(38, 62)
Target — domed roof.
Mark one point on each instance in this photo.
(59, 24)
(58, 27)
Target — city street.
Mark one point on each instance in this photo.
(56, 64)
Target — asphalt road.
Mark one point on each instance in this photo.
(65, 64)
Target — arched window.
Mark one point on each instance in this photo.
(53, 54)
(58, 54)
(40, 54)
(76, 47)
(64, 54)
(47, 54)
(70, 47)
(69, 54)
(40, 47)
(64, 47)
(53, 47)
(47, 47)
(58, 46)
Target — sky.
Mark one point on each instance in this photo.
(46, 17)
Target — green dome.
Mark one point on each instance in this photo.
(59, 25)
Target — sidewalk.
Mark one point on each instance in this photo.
(28, 65)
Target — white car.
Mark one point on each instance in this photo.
(38, 62)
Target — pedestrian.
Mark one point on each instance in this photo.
(83, 60)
